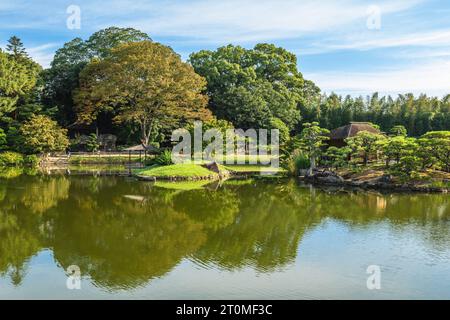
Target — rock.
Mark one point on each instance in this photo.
(214, 167)
(384, 179)
(325, 177)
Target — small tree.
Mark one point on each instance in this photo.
(437, 143)
(337, 157)
(92, 144)
(397, 147)
(399, 131)
(365, 144)
(409, 166)
(16, 48)
(312, 141)
(42, 135)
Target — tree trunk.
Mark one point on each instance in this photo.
(146, 130)
(313, 166)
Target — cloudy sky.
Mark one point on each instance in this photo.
(347, 46)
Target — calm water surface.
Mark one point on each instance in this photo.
(241, 240)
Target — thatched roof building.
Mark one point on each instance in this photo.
(338, 136)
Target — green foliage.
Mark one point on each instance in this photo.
(3, 139)
(408, 166)
(143, 83)
(164, 159)
(396, 147)
(15, 48)
(16, 80)
(14, 139)
(63, 76)
(221, 125)
(337, 157)
(312, 141)
(250, 87)
(42, 135)
(437, 145)
(417, 114)
(295, 162)
(283, 129)
(177, 170)
(31, 160)
(10, 158)
(365, 144)
(92, 143)
(399, 131)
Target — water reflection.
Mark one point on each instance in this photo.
(124, 233)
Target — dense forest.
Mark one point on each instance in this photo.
(88, 91)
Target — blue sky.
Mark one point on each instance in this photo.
(338, 43)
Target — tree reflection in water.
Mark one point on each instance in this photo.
(124, 233)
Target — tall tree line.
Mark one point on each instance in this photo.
(250, 88)
(418, 115)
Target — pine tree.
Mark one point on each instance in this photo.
(16, 48)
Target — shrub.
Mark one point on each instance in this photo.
(3, 140)
(164, 159)
(92, 144)
(295, 162)
(9, 158)
(31, 160)
(408, 166)
(42, 135)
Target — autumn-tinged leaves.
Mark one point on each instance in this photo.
(144, 83)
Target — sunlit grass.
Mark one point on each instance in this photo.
(177, 170)
(252, 168)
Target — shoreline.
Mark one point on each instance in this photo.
(382, 183)
(327, 179)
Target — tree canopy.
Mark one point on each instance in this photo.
(63, 76)
(16, 80)
(42, 135)
(144, 83)
(250, 87)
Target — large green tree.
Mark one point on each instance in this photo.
(16, 80)
(63, 76)
(250, 87)
(144, 83)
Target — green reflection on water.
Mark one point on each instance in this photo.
(124, 233)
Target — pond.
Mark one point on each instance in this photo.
(252, 239)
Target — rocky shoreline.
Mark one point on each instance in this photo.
(384, 182)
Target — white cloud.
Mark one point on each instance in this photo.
(433, 78)
(312, 26)
(433, 38)
(248, 21)
(43, 54)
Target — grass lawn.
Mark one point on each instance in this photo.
(103, 159)
(247, 158)
(251, 168)
(176, 170)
